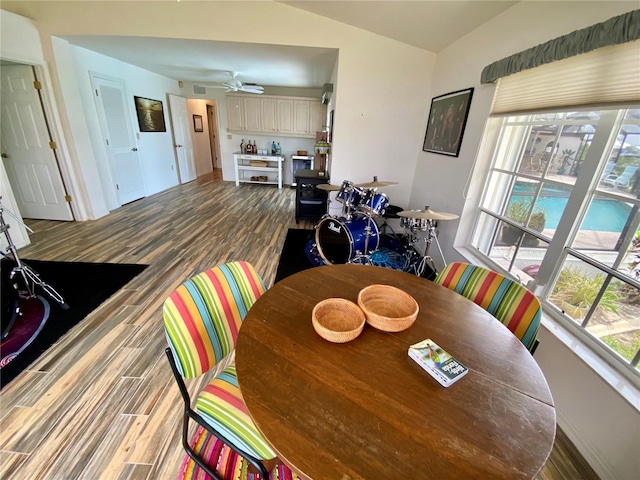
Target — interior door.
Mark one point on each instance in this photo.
(212, 114)
(27, 150)
(182, 138)
(119, 138)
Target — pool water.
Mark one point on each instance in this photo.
(604, 215)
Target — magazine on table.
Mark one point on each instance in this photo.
(437, 362)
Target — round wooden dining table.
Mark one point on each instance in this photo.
(365, 410)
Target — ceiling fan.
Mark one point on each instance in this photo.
(235, 85)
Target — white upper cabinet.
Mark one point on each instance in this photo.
(252, 117)
(235, 113)
(317, 117)
(285, 115)
(301, 111)
(269, 114)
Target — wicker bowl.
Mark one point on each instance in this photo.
(337, 320)
(301, 153)
(388, 308)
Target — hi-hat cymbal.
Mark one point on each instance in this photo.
(328, 188)
(376, 184)
(427, 215)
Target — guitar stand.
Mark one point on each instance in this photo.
(23, 273)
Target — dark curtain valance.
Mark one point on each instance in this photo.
(616, 30)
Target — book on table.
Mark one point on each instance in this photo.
(437, 362)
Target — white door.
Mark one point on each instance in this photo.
(27, 150)
(119, 138)
(182, 138)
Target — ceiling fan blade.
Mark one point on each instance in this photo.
(252, 89)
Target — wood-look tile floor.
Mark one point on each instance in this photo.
(101, 402)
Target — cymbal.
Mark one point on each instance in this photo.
(328, 188)
(376, 184)
(427, 215)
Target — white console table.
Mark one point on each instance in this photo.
(244, 169)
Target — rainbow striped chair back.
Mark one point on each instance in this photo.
(202, 317)
(511, 303)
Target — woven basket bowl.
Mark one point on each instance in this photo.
(337, 320)
(388, 308)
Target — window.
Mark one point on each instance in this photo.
(560, 211)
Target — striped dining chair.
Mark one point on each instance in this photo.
(511, 303)
(202, 318)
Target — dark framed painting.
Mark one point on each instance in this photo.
(447, 119)
(197, 123)
(150, 115)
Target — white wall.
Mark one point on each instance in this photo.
(155, 149)
(602, 424)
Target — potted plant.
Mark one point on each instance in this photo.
(518, 212)
(575, 292)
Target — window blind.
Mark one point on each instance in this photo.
(606, 76)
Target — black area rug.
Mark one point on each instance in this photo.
(84, 286)
(293, 258)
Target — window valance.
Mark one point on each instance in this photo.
(621, 29)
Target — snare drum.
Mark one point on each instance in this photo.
(416, 224)
(375, 204)
(339, 240)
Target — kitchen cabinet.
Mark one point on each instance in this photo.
(285, 115)
(252, 117)
(273, 114)
(265, 169)
(317, 117)
(235, 113)
(301, 112)
(268, 112)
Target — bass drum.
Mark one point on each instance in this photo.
(339, 240)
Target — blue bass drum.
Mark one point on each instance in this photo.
(339, 240)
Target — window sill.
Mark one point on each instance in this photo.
(624, 386)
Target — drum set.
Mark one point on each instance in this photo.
(355, 237)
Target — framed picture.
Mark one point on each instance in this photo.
(197, 123)
(331, 126)
(150, 115)
(447, 119)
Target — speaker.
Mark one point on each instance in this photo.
(198, 90)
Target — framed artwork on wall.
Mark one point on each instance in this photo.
(197, 123)
(150, 115)
(447, 120)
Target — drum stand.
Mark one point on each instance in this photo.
(426, 258)
(364, 258)
(30, 279)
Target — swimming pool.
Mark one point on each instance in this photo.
(604, 215)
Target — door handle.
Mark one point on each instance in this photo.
(4, 155)
(134, 149)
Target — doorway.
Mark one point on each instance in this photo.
(214, 141)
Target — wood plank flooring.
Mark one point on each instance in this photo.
(101, 402)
